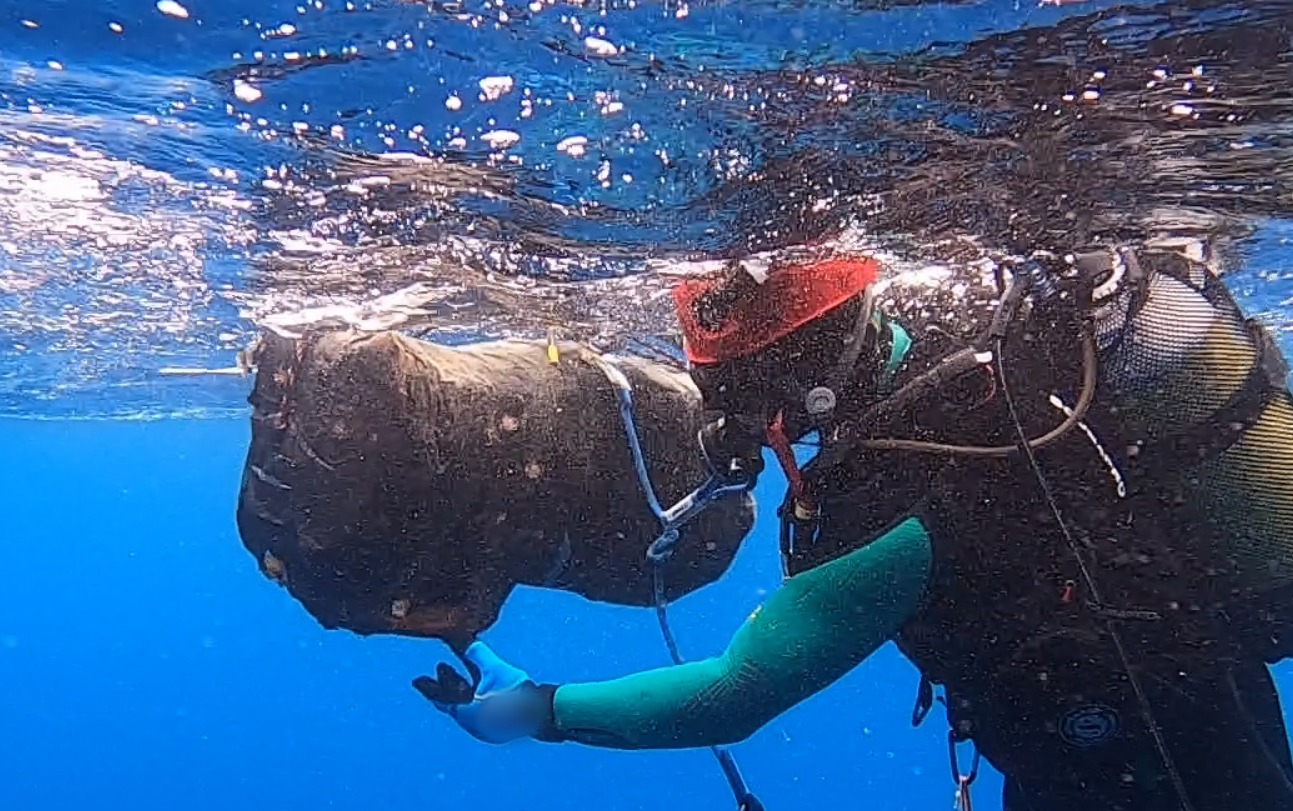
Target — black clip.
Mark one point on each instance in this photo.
(924, 702)
(799, 527)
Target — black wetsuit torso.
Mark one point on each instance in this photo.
(1010, 627)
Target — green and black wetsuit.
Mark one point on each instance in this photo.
(1178, 489)
(817, 627)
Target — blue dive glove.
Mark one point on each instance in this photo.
(505, 703)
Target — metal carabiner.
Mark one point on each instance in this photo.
(963, 801)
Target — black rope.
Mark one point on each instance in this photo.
(1272, 760)
(1147, 711)
(745, 800)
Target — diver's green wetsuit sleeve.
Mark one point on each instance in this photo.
(817, 627)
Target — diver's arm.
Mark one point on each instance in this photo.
(818, 626)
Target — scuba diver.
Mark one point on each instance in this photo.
(1063, 486)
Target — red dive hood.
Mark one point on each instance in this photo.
(790, 296)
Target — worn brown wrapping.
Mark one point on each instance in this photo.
(398, 486)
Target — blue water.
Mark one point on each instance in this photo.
(144, 662)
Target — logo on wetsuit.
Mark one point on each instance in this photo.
(1086, 726)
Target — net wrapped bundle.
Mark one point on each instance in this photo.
(398, 486)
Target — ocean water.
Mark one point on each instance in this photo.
(147, 664)
(176, 176)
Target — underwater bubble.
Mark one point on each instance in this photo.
(172, 9)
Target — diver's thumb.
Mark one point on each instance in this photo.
(496, 675)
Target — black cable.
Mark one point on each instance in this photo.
(1147, 711)
(1272, 760)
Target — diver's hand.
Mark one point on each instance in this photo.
(504, 705)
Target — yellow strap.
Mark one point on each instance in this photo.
(554, 355)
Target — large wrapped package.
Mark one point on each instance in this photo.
(404, 487)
